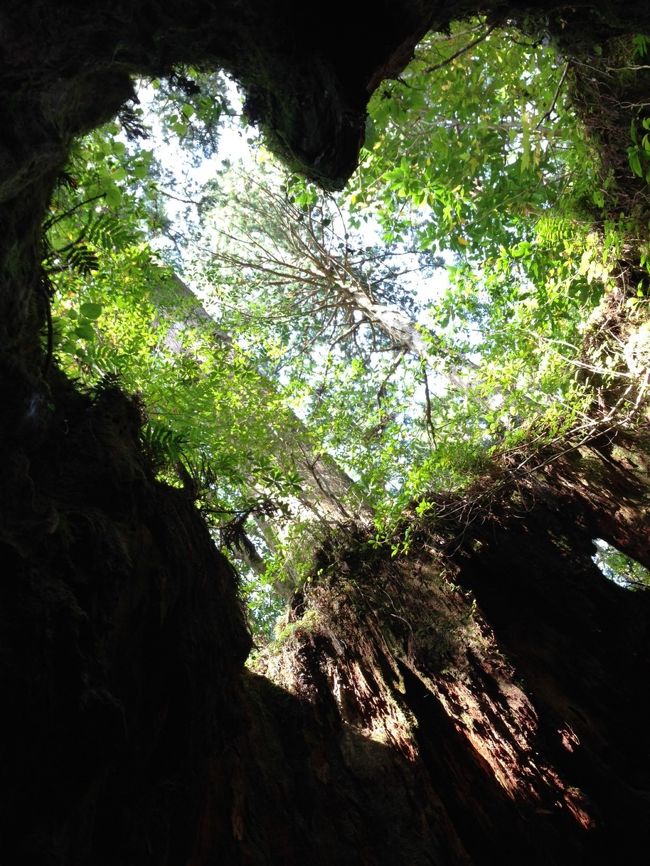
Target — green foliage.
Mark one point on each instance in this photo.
(639, 152)
(351, 354)
(189, 105)
(476, 146)
(164, 446)
(621, 569)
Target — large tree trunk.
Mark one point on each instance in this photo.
(505, 674)
(408, 726)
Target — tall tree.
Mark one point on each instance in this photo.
(266, 240)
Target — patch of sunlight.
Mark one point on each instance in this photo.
(620, 568)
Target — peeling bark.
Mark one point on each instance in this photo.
(501, 666)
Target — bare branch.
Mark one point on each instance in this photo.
(462, 50)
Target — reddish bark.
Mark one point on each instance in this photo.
(501, 665)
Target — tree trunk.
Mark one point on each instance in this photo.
(300, 258)
(397, 327)
(500, 668)
(327, 492)
(409, 726)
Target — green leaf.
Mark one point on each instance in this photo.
(598, 198)
(179, 128)
(91, 310)
(85, 331)
(370, 133)
(635, 161)
(113, 196)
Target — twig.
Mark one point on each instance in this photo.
(179, 198)
(57, 219)
(462, 50)
(427, 407)
(547, 114)
(381, 393)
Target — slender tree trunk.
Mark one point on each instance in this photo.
(327, 491)
(400, 329)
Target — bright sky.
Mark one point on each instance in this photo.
(239, 145)
(235, 147)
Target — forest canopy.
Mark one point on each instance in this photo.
(303, 360)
